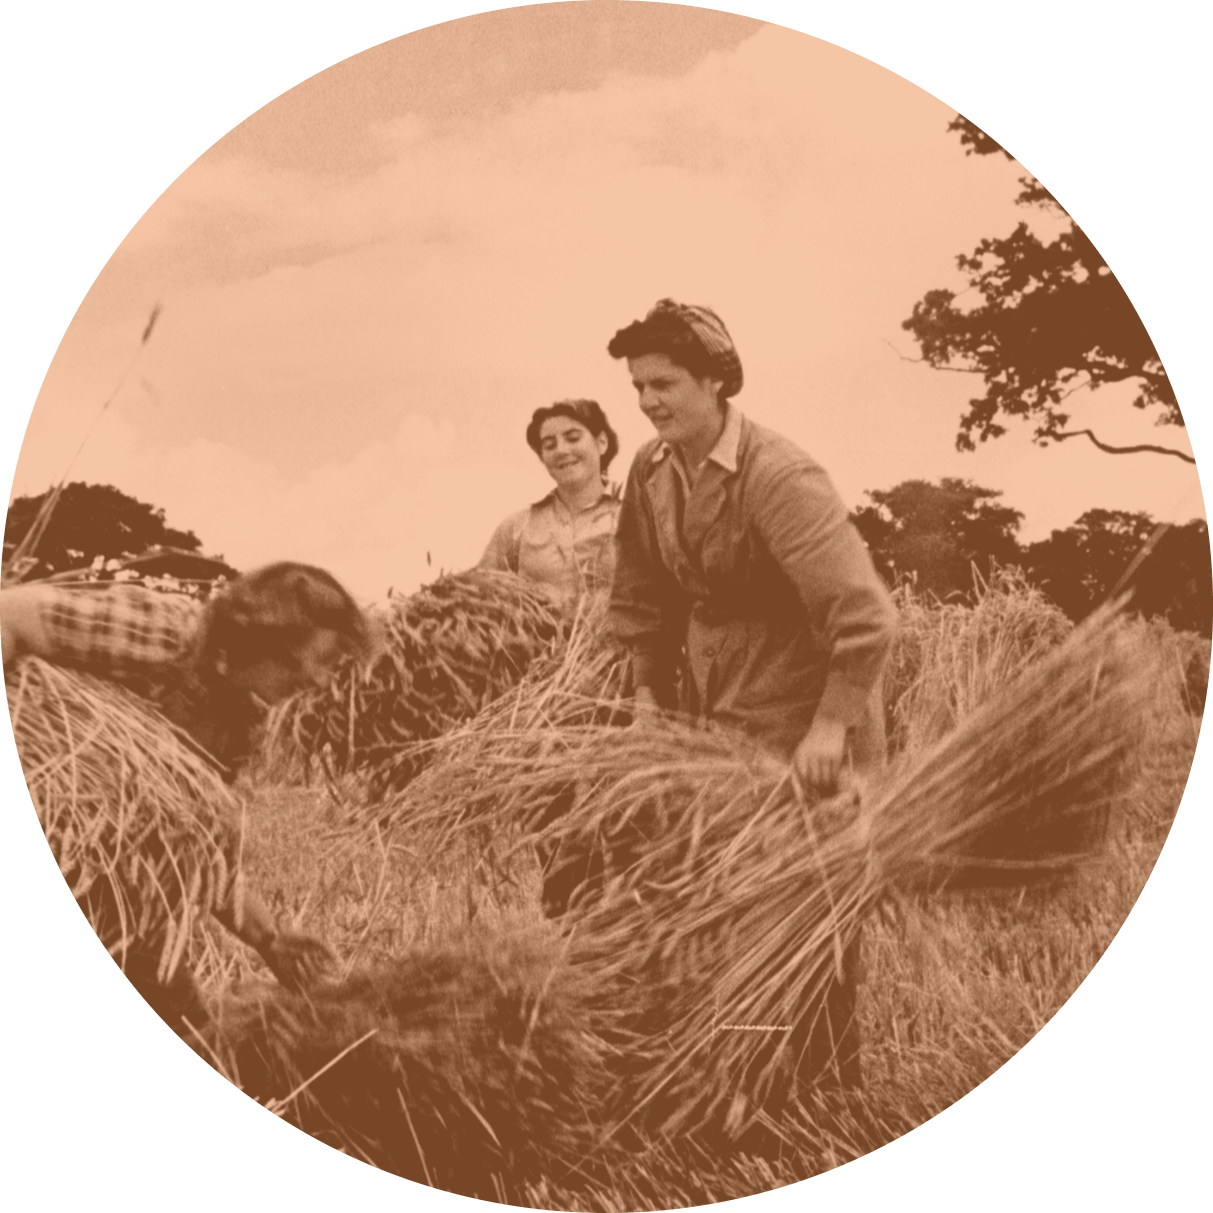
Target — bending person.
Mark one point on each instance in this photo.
(742, 591)
(211, 670)
(565, 542)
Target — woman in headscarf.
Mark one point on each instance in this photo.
(741, 590)
(565, 541)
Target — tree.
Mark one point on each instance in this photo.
(937, 534)
(1082, 565)
(1176, 581)
(91, 521)
(1052, 319)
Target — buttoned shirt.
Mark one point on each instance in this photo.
(747, 589)
(569, 552)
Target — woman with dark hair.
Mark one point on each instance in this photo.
(210, 669)
(743, 593)
(565, 542)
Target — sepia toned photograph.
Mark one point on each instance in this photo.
(605, 606)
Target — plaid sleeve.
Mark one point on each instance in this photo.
(120, 630)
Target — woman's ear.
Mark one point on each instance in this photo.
(601, 442)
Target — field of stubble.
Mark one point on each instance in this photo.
(953, 984)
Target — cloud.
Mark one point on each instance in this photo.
(783, 120)
(346, 362)
(371, 519)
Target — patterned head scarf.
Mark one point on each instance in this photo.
(712, 335)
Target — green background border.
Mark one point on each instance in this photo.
(106, 104)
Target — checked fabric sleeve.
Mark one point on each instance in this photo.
(119, 631)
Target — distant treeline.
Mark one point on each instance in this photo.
(934, 535)
(937, 535)
(95, 529)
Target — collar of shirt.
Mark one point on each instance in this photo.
(723, 454)
(610, 492)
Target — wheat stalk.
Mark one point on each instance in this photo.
(139, 821)
(723, 898)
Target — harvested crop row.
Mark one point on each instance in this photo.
(721, 900)
(950, 657)
(140, 823)
(469, 1064)
(718, 897)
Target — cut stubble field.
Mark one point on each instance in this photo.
(953, 983)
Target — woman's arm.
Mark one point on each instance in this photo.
(296, 960)
(646, 614)
(21, 626)
(110, 630)
(805, 527)
(502, 551)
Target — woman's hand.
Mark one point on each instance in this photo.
(297, 961)
(819, 757)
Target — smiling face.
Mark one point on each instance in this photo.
(571, 454)
(684, 410)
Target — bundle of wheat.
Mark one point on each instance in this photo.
(950, 657)
(720, 905)
(579, 681)
(469, 1065)
(589, 669)
(452, 647)
(140, 823)
(1190, 652)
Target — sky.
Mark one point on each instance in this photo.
(369, 284)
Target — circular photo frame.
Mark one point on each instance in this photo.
(317, 355)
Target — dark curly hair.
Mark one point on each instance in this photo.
(267, 614)
(663, 334)
(692, 336)
(588, 412)
(273, 609)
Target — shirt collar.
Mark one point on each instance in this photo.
(724, 453)
(611, 491)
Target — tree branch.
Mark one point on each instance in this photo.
(955, 370)
(1061, 435)
(1078, 387)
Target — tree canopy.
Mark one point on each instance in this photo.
(91, 521)
(1039, 321)
(1079, 567)
(937, 534)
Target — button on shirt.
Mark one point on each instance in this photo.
(570, 552)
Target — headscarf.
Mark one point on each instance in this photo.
(712, 335)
